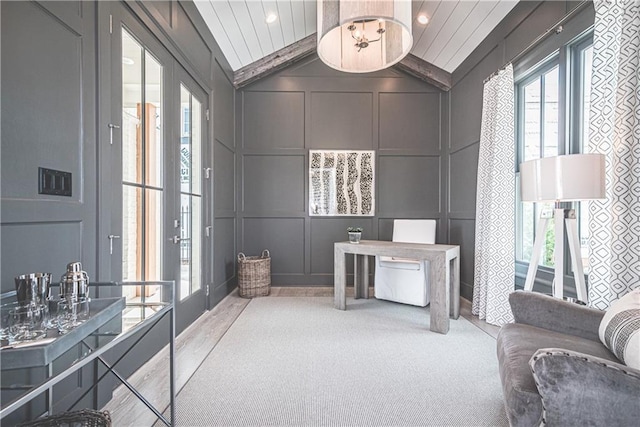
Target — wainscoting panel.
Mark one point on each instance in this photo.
(462, 232)
(273, 120)
(548, 12)
(466, 102)
(48, 120)
(410, 121)
(223, 178)
(325, 232)
(223, 108)
(40, 247)
(283, 237)
(224, 261)
(70, 12)
(463, 175)
(162, 9)
(41, 122)
(408, 185)
(191, 42)
(268, 186)
(341, 120)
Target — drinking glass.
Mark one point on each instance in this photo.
(71, 313)
(26, 323)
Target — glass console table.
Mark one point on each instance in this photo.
(114, 322)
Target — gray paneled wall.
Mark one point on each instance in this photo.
(309, 106)
(48, 120)
(50, 92)
(517, 31)
(224, 195)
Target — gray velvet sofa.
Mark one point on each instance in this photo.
(555, 370)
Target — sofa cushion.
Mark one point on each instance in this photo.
(620, 329)
(516, 344)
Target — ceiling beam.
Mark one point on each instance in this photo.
(274, 62)
(425, 71)
(280, 59)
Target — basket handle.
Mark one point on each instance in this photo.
(266, 251)
(241, 256)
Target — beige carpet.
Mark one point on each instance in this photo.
(300, 362)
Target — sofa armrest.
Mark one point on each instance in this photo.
(579, 389)
(544, 311)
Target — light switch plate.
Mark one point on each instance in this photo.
(55, 182)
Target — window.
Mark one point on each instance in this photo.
(538, 97)
(552, 109)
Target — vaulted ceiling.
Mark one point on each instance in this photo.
(454, 30)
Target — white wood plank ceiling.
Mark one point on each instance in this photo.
(454, 30)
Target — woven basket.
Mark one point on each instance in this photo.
(254, 275)
(82, 418)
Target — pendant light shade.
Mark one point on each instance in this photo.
(357, 36)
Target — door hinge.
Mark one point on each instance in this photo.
(207, 290)
(207, 230)
(207, 114)
(110, 24)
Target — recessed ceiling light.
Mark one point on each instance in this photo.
(271, 18)
(423, 19)
(127, 61)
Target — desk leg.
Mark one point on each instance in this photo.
(339, 280)
(365, 276)
(454, 292)
(357, 276)
(440, 296)
(360, 276)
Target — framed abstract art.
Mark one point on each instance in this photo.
(341, 183)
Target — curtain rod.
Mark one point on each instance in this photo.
(554, 29)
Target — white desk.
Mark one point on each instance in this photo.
(444, 278)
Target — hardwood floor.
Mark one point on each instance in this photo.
(195, 344)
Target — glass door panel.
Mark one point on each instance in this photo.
(190, 193)
(153, 131)
(142, 170)
(132, 54)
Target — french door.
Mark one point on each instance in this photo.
(158, 205)
(192, 233)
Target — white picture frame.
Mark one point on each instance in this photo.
(342, 182)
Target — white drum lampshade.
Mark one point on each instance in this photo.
(563, 178)
(357, 36)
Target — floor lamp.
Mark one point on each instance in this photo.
(568, 178)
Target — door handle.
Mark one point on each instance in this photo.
(175, 240)
(111, 127)
(111, 237)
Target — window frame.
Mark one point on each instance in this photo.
(570, 115)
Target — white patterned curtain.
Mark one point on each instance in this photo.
(495, 203)
(614, 130)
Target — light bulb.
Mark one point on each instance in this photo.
(271, 18)
(423, 19)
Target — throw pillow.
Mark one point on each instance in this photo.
(620, 329)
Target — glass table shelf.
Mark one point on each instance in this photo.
(113, 322)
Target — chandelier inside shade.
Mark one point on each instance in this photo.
(363, 36)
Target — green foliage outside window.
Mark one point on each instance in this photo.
(549, 244)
